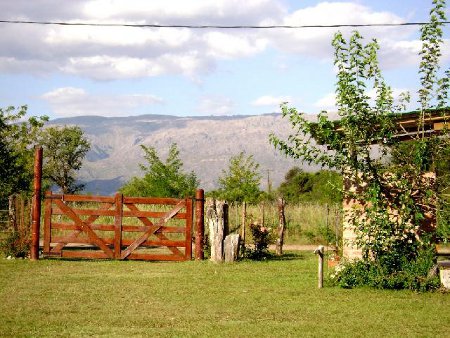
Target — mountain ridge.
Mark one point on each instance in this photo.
(206, 144)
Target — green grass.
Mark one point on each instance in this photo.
(190, 299)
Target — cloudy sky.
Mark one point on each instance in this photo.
(120, 71)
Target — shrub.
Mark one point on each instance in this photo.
(16, 245)
(262, 237)
(390, 272)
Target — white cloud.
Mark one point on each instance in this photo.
(106, 53)
(327, 102)
(268, 100)
(215, 105)
(70, 101)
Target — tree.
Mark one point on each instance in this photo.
(64, 150)
(322, 186)
(392, 197)
(18, 136)
(162, 179)
(240, 183)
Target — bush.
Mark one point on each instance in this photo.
(390, 272)
(262, 238)
(16, 245)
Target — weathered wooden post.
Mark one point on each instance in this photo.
(281, 227)
(244, 218)
(319, 251)
(36, 215)
(216, 215)
(231, 248)
(199, 224)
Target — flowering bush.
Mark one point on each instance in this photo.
(262, 237)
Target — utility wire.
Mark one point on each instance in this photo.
(213, 26)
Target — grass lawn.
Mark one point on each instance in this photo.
(248, 299)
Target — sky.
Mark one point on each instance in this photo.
(65, 71)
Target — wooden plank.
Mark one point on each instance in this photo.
(79, 240)
(156, 257)
(85, 227)
(444, 264)
(83, 198)
(189, 221)
(443, 250)
(86, 212)
(167, 243)
(47, 221)
(118, 226)
(91, 254)
(153, 229)
(151, 214)
(163, 229)
(71, 226)
(151, 200)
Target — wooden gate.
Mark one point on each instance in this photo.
(118, 227)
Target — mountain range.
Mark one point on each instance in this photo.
(206, 144)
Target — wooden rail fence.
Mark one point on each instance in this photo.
(117, 227)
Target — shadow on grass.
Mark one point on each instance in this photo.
(287, 256)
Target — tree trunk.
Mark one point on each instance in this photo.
(217, 218)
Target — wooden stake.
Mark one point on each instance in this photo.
(281, 227)
(36, 217)
(199, 224)
(319, 251)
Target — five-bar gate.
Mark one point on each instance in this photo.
(118, 227)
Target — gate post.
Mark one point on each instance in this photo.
(36, 217)
(199, 223)
(118, 226)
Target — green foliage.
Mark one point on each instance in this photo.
(162, 179)
(240, 183)
(18, 136)
(394, 197)
(64, 149)
(390, 273)
(323, 186)
(262, 237)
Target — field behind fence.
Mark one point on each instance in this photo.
(306, 223)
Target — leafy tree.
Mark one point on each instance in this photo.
(162, 179)
(388, 238)
(18, 136)
(322, 186)
(240, 182)
(64, 150)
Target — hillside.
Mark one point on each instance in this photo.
(205, 144)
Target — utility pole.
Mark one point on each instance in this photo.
(269, 183)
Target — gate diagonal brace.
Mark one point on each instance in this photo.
(153, 229)
(57, 249)
(85, 227)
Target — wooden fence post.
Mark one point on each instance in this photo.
(281, 227)
(320, 251)
(199, 224)
(244, 218)
(118, 226)
(36, 217)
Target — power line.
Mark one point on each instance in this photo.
(214, 26)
